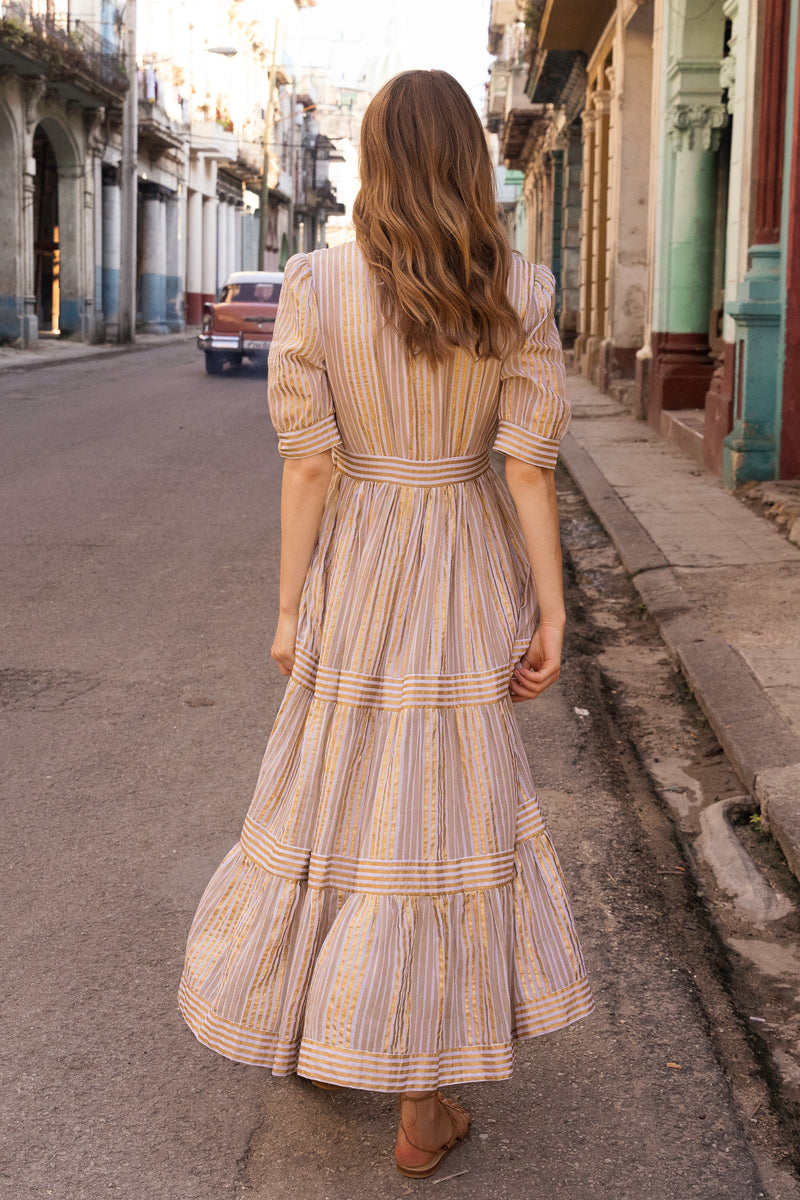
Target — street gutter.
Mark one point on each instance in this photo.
(763, 749)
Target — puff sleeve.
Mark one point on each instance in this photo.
(534, 410)
(300, 402)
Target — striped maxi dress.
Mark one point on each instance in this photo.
(394, 916)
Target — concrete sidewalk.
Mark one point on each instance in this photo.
(52, 352)
(720, 582)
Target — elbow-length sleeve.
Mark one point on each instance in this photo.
(534, 409)
(300, 401)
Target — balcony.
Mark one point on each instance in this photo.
(503, 13)
(73, 58)
(516, 96)
(162, 123)
(208, 138)
(574, 24)
(496, 96)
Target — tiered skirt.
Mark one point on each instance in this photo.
(394, 915)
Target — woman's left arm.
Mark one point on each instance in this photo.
(303, 491)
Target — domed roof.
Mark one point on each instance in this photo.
(395, 56)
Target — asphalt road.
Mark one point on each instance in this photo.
(139, 557)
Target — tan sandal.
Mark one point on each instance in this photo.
(437, 1157)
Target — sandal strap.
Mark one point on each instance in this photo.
(447, 1106)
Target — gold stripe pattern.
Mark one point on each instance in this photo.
(410, 472)
(394, 915)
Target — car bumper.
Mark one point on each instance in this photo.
(232, 344)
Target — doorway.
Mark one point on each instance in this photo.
(46, 246)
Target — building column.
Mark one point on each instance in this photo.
(72, 289)
(112, 243)
(588, 123)
(222, 243)
(734, 74)
(557, 222)
(750, 451)
(92, 216)
(599, 246)
(238, 230)
(194, 258)
(97, 246)
(233, 261)
(11, 233)
(682, 364)
(174, 267)
(629, 179)
(571, 235)
(28, 320)
(789, 461)
(153, 277)
(209, 278)
(230, 238)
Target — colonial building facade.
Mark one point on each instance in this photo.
(205, 96)
(655, 139)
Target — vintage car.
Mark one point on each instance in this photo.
(240, 324)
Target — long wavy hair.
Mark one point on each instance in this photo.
(426, 220)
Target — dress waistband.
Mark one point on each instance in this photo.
(410, 472)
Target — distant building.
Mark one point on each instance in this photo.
(202, 83)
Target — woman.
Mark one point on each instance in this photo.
(394, 917)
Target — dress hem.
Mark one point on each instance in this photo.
(369, 1071)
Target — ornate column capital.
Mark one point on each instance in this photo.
(93, 122)
(727, 77)
(34, 88)
(602, 103)
(588, 122)
(689, 125)
(154, 191)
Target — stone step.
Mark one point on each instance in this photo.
(684, 428)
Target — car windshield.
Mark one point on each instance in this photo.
(250, 293)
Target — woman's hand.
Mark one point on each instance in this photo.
(541, 664)
(284, 642)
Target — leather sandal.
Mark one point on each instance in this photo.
(437, 1157)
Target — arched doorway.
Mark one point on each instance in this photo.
(46, 235)
(59, 283)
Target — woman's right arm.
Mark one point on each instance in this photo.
(533, 491)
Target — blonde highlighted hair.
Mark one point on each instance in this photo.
(426, 220)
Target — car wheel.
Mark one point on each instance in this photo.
(214, 362)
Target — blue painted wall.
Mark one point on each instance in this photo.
(110, 300)
(153, 301)
(9, 318)
(69, 317)
(174, 300)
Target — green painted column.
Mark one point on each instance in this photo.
(749, 450)
(694, 132)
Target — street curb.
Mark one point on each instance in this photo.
(778, 791)
(733, 868)
(763, 749)
(177, 339)
(749, 728)
(634, 545)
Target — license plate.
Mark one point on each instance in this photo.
(251, 345)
